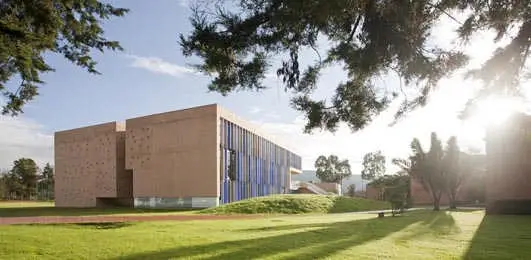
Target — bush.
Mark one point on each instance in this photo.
(298, 204)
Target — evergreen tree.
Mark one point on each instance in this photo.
(31, 28)
(238, 41)
(23, 178)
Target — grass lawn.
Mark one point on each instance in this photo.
(32, 208)
(276, 204)
(415, 235)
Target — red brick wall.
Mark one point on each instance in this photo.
(509, 166)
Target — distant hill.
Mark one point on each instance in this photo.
(309, 175)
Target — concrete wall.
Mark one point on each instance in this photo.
(174, 157)
(87, 164)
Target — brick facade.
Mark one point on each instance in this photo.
(508, 182)
(170, 159)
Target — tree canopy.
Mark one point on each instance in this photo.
(23, 177)
(238, 41)
(373, 165)
(331, 169)
(30, 28)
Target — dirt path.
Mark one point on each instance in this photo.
(102, 219)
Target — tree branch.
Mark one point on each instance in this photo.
(351, 36)
(444, 12)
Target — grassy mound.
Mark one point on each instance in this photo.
(298, 204)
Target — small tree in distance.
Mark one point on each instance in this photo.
(331, 169)
(373, 166)
(351, 190)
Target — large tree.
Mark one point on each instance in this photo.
(31, 28)
(427, 168)
(331, 169)
(373, 166)
(239, 40)
(23, 177)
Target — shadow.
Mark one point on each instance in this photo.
(438, 223)
(53, 211)
(501, 237)
(318, 240)
(99, 225)
(105, 225)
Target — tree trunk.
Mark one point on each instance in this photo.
(436, 201)
(452, 197)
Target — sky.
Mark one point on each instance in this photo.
(152, 76)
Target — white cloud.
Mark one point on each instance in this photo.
(158, 65)
(21, 137)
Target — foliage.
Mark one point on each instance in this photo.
(454, 170)
(238, 41)
(373, 165)
(31, 28)
(395, 189)
(331, 169)
(441, 171)
(47, 181)
(427, 167)
(23, 181)
(4, 188)
(351, 190)
(23, 177)
(297, 204)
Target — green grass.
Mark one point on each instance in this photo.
(414, 235)
(280, 204)
(32, 208)
(298, 204)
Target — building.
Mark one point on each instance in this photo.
(198, 157)
(508, 179)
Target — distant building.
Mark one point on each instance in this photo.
(508, 179)
(198, 157)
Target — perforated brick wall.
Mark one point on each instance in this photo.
(86, 164)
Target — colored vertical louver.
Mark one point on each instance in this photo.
(261, 167)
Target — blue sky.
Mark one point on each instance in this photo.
(151, 76)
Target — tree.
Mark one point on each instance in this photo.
(23, 177)
(426, 167)
(31, 28)
(395, 190)
(238, 42)
(373, 166)
(454, 170)
(332, 169)
(351, 190)
(46, 182)
(4, 188)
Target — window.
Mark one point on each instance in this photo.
(231, 166)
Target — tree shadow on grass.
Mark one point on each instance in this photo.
(501, 237)
(440, 223)
(89, 225)
(53, 211)
(320, 240)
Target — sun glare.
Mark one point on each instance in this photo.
(494, 111)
